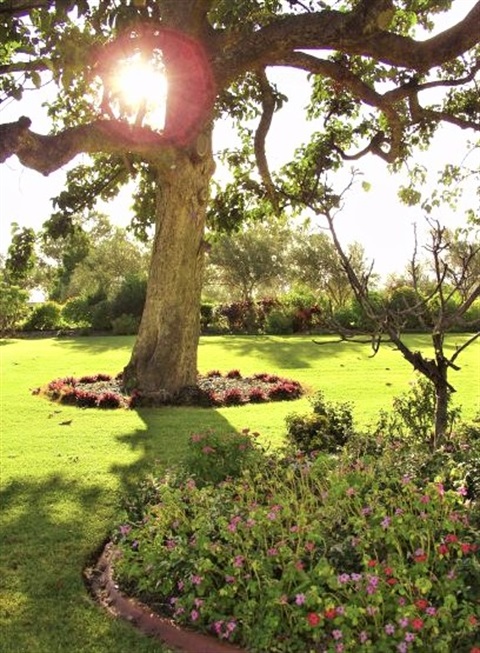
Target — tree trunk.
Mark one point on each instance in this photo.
(442, 395)
(164, 358)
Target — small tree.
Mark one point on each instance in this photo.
(436, 311)
(13, 307)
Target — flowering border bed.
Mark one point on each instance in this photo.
(212, 390)
(289, 555)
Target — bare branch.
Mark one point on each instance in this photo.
(466, 344)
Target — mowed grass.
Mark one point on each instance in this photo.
(64, 469)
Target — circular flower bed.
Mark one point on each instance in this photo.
(212, 389)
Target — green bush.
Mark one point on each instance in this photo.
(130, 298)
(279, 322)
(13, 307)
(102, 316)
(206, 315)
(77, 312)
(327, 429)
(125, 325)
(413, 413)
(44, 317)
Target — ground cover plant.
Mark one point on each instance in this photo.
(63, 470)
(283, 553)
(211, 389)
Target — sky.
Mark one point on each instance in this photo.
(376, 218)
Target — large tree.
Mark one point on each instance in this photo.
(371, 65)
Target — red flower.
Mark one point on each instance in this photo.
(388, 571)
(472, 620)
(450, 539)
(421, 604)
(420, 558)
(443, 549)
(392, 581)
(331, 613)
(466, 548)
(372, 563)
(417, 623)
(313, 619)
(475, 649)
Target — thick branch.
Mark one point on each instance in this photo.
(334, 30)
(48, 153)
(22, 67)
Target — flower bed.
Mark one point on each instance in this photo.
(212, 389)
(293, 554)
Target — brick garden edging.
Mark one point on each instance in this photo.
(103, 588)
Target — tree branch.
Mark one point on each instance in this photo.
(48, 153)
(268, 109)
(335, 30)
(22, 7)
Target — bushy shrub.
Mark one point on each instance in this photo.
(206, 315)
(77, 312)
(327, 428)
(125, 325)
(130, 297)
(279, 322)
(44, 317)
(413, 413)
(102, 316)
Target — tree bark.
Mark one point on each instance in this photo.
(164, 358)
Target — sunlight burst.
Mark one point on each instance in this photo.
(140, 88)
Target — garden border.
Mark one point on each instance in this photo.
(99, 580)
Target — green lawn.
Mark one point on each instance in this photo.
(60, 482)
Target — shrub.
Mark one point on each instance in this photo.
(328, 428)
(257, 396)
(102, 316)
(206, 315)
(413, 413)
(234, 374)
(130, 297)
(125, 325)
(108, 400)
(278, 322)
(44, 317)
(284, 390)
(77, 312)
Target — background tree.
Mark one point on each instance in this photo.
(250, 262)
(315, 262)
(20, 259)
(370, 72)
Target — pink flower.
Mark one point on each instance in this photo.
(300, 599)
(196, 580)
(337, 634)
(194, 614)
(389, 629)
(238, 561)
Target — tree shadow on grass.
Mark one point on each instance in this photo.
(285, 352)
(96, 344)
(164, 440)
(47, 534)
(51, 527)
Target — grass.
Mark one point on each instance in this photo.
(63, 469)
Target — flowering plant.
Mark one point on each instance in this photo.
(288, 554)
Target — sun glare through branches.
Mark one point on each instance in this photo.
(139, 91)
